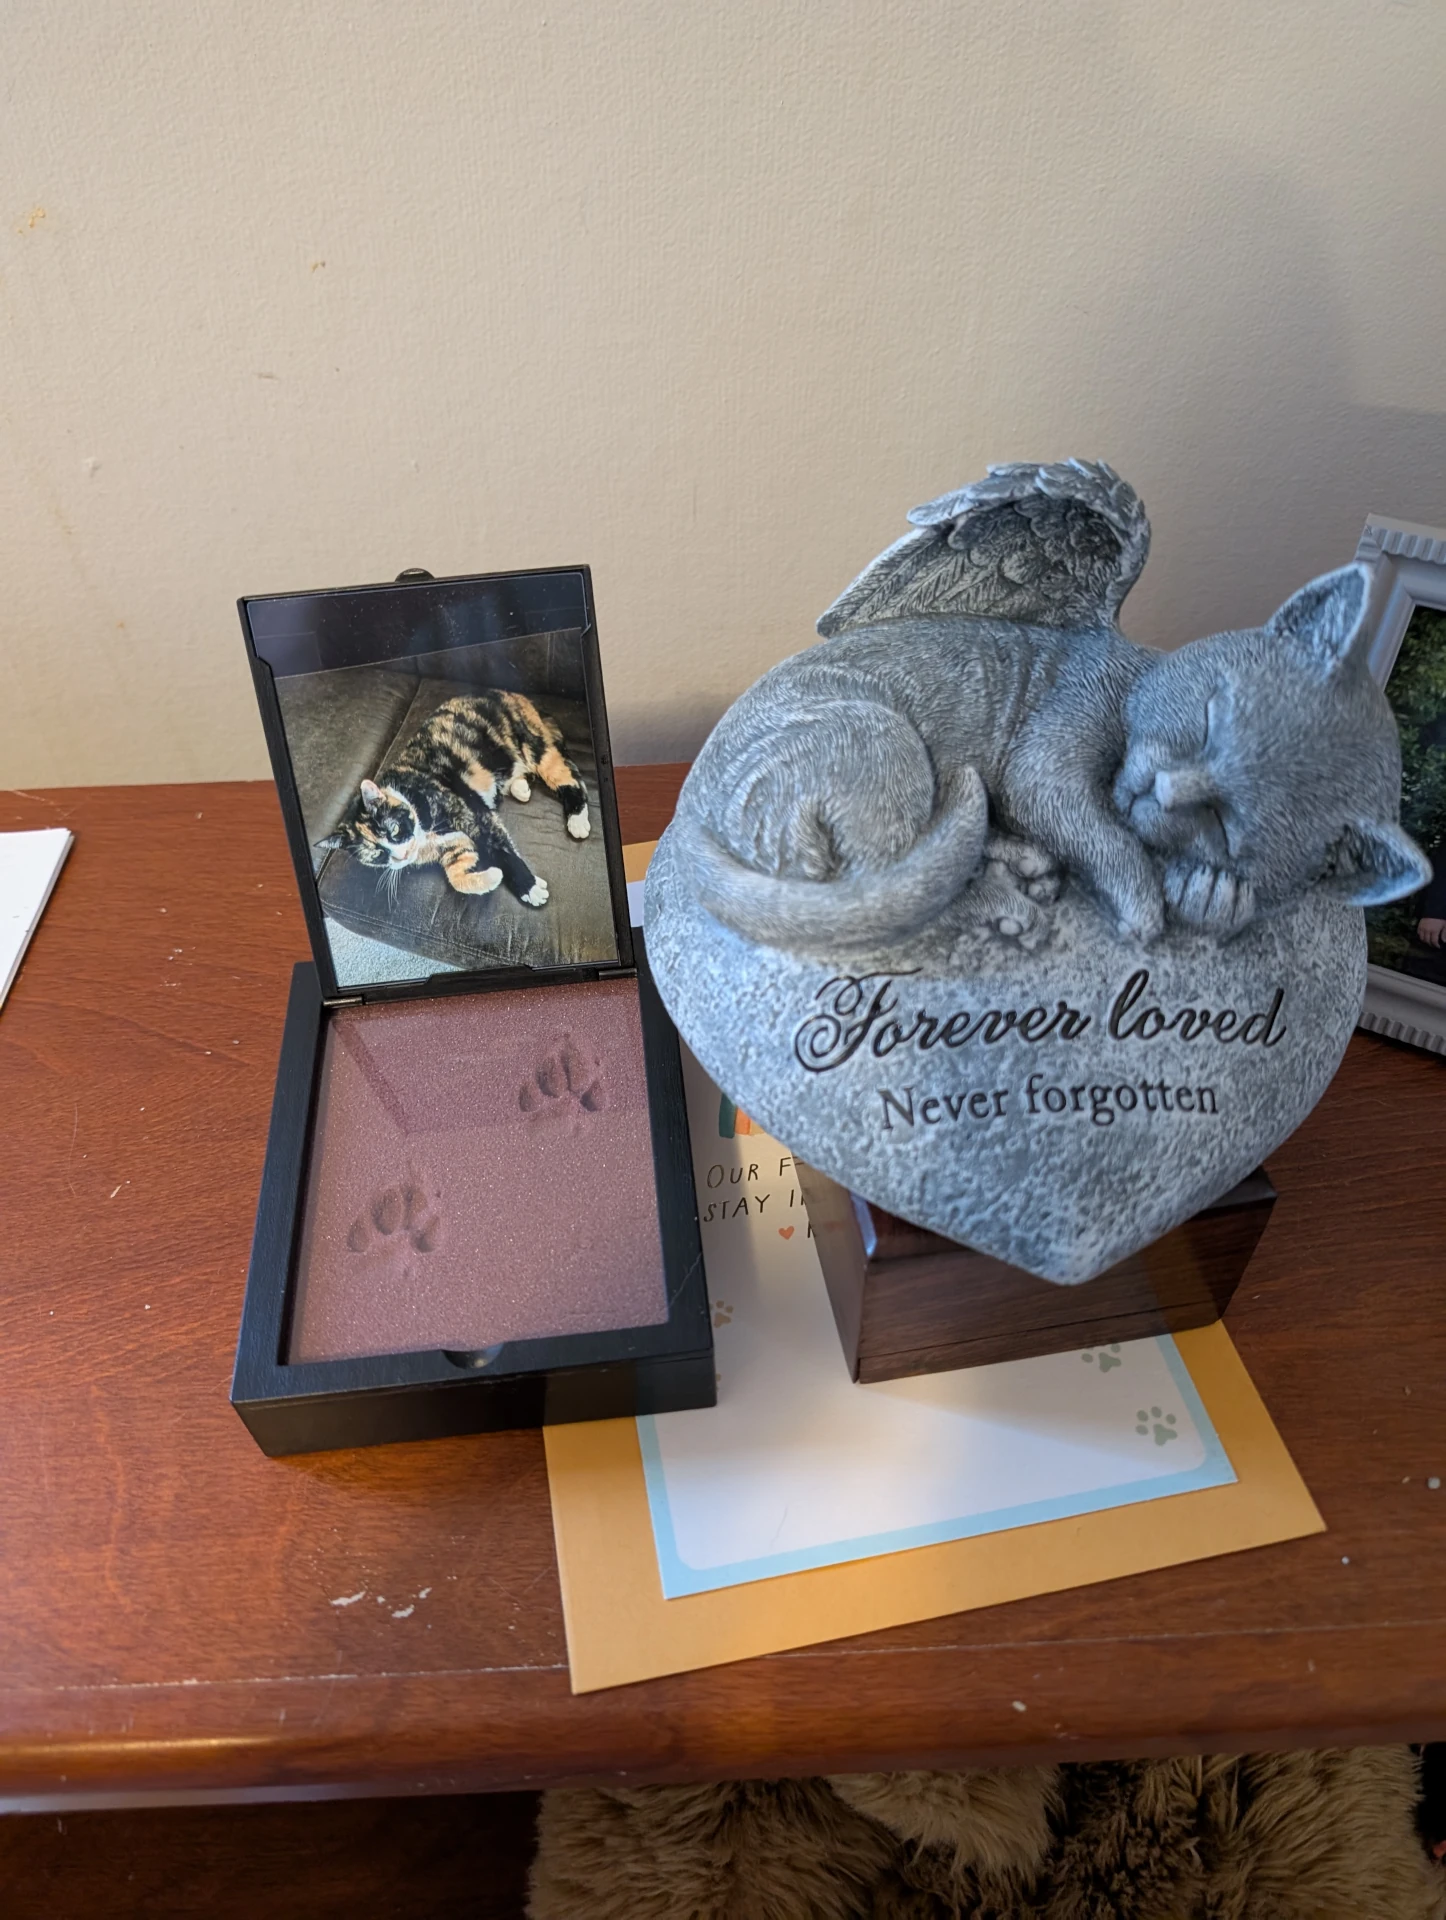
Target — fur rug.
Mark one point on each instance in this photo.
(1298, 1836)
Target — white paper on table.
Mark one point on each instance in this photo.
(30, 864)
(798, 1467)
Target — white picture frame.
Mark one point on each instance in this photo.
(1408, 567)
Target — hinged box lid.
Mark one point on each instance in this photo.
(441, 748)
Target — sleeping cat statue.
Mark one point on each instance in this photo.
(956, 902)
(976, 719)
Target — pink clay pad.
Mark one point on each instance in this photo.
(481, 1171)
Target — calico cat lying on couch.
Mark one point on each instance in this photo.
(423, 809)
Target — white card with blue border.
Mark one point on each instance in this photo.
(798, 1467)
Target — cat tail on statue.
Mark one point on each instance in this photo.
(842, 905)
(814, 815)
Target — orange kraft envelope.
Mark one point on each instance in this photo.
(621, 1629)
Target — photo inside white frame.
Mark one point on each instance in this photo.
(1406, 986)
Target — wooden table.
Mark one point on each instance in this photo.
(175, 1611)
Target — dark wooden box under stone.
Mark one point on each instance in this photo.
(909, 1301)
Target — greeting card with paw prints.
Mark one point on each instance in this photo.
(798, 1466)
(773, 1518)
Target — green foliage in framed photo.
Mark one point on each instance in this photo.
(1406, 940)
(1417, 692)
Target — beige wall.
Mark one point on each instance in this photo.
(707, 295)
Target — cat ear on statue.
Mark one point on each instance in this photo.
(1326, 616)
(371, 795)
(1373, 862)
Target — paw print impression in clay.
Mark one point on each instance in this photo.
(399, 1220)
(567, 1085)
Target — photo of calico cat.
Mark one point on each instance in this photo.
(437, 802)
(975, 728)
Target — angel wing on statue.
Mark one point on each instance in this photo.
(974, 728)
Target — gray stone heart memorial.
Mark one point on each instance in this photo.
(1031, 936)
(1057, 1109)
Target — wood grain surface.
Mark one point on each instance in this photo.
(180, 1616)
